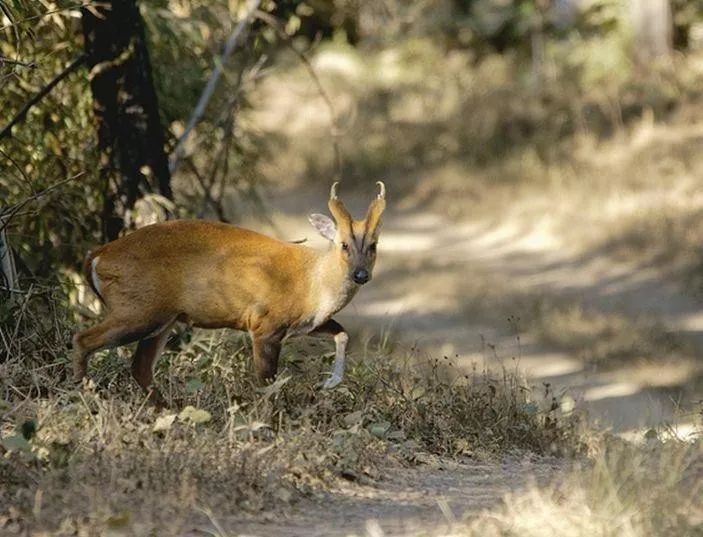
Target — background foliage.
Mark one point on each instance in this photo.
(462, 104)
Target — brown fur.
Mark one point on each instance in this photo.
(216, 275)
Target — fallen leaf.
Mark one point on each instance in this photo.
(194, 415)
(163, 423)
(379, 428)
(353, 418)
(417, 392)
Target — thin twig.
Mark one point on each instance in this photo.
(10, 61)
(205, 97)
(7, 129)
(14, 24)
(8, 213)
(19, 169)
(334, 130)
(207, 195)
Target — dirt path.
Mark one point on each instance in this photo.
(424, 500)
(450, 288)
(443, 302)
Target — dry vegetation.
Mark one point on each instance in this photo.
(627, 491)
(611, 172)
(87, 460)
(97, 460)
(448, 133)
(597, 166)
(620, 156)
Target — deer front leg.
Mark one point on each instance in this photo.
(266, 351)
(341, 338)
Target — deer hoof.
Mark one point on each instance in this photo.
(331, 382)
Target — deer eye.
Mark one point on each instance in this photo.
(345, 247)
(372, 248)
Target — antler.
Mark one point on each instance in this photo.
(337, 208)
(382, 187)
(373, 214)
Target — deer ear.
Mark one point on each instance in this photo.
(324, 225)
(373, 216)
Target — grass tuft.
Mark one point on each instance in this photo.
(97, 457)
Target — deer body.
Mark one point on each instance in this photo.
(216, 275)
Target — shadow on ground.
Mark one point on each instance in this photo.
(486, 294)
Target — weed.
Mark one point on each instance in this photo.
(98, 457)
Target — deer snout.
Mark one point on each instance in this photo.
(361, 276)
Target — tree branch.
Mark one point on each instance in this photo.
(10, 61)
(7, 129)
(197, 114)
(8, 212)
(334, 130)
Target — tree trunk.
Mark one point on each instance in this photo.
(130, 136)
(652, 26)
(8, 273)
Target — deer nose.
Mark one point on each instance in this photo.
(361, 276)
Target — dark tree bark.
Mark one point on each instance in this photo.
(130, 135)
(8, 273)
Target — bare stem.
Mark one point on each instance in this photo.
(334, 131)
(206, 95)
(7, 129)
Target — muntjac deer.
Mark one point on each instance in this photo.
(215, 275)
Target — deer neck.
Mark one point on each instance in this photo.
(331, 286)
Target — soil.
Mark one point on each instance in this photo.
(434, 287)
(449, 288)
(423, 500)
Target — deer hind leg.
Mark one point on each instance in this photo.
(111, 332)
(266, 352)
(148, 351)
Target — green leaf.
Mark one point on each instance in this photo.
(16, 442)
(194, 384)
(379, 428)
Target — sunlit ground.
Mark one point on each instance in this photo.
(577, 278)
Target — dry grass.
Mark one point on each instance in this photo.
(474, 139)
(87, 460)
(461, 137)
(412, 107)
(628, 491)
